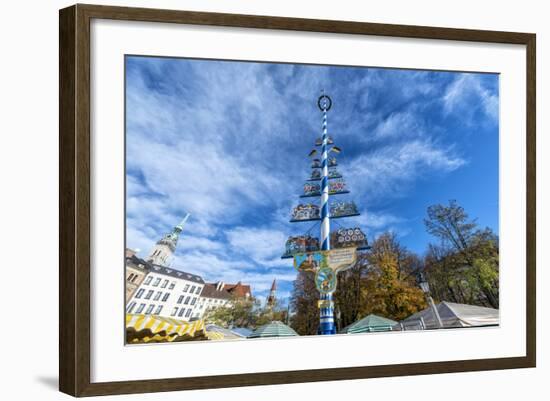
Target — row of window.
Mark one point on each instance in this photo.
(194, 289)
(149, 294)
(157, 282)
(141, 308)
(181, 299)
(180, 312)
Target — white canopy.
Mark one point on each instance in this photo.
(452, 315)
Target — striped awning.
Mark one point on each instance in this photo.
(151, 328)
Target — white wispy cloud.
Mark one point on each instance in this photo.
(401, 125)
(387, 171)
(466, 94)
(260, 244)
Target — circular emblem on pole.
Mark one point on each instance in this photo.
(324, 102)
(325, 280)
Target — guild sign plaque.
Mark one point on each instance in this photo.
(326, 265)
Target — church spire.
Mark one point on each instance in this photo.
(272, 295)
(163, 251)
(179, 227)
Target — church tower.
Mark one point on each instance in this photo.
(270, 303)
(163, 251)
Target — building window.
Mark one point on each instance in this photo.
(188, 313)
(159, 309)
(187, 300)
(172, 285)
(130, 307)
(164, 284)
(157, 281)
(186, 288)
(148, 280)
(140, 308)
(180, 299)
(192, 289)
(174, 311)
(140, 292)
(149, 309)
(193, 301)
(134, 278)
(198, 290)
(130, 277)
(165, 297)
(149, 294)
(182, 310)
(158, 295)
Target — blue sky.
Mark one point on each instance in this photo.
(228, 142)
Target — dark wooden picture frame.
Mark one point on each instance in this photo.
(74, 203)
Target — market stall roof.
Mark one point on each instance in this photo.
(241, 331)
(273, 329)
(214, 332)
(152, 328)
(453, 315)
(370, 323)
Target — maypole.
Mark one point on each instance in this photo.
(335, 251)
(327, 304)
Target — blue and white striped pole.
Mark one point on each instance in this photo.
(327, 307)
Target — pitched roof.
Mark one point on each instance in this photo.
(238, 290)
(455, 315)
(211, 291)
(241, 331)
(273, 329)
(168, 271)
(136, 262)
(370, 323)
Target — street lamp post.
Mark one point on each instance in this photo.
(425, 287)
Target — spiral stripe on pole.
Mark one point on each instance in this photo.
(326, 313)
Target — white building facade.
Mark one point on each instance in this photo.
(168, 293)
(213, 296)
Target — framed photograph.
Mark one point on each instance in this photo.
(250, 200)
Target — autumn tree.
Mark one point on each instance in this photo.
(464, 266)
(349, 296)
(247, 313)
(238, 313)
(389, 288)
(304, 299)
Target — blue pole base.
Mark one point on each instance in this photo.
(327, 326)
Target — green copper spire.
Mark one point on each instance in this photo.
(179, 227)
(171, 239)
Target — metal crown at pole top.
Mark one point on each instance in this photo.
(324, 102)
